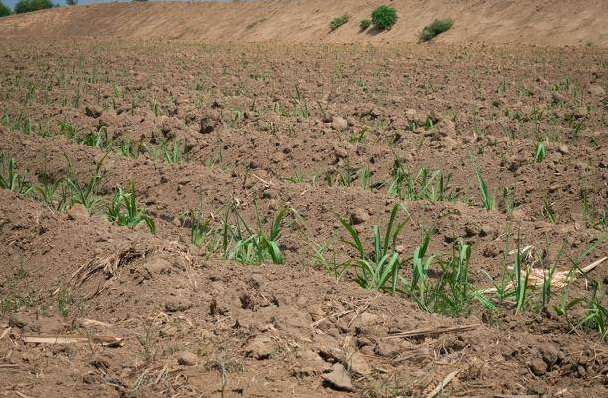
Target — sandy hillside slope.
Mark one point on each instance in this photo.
(543, 22)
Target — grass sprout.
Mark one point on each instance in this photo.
(541, 152)
(488, 199)
(10, 179)
(425, 185)
(123, 210)
(84, 194)
(382, 265)
(244, 245)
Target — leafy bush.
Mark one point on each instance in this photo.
(337, 22)
(365, 23)
(32, 5)
(436, 28)
(4, 10)
(384, 17)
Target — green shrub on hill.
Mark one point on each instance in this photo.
(384, 17)
(437, 27)
(32, 5)
(337, 22)
(4, 10)
(365, 24)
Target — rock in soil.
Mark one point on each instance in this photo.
(177, 304)
(17, 321)
(157, 265)
(358, 364)
(207, 126)
(339, 123)
(93, 111)
(261, 347)
(78, 212)
(187, 358)
(359, 216)
(538, 366)
(338, 379)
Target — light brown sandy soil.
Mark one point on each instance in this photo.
(270, 126)
(545, 22)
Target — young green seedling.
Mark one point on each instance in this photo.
(382, 265)
(123, 210)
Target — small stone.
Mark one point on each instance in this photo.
(338, 379)
(157, 265)
(469, 231)
(563, 149)
(538, 367)
(92, 111)
(519, 214)
(17, 321)
(359, 216)
(89, 378)
(558, 98)
(387, 348)
(309, 364)
(177, 304)
(581, 370)
(358, 364)
(261, 347)
(446, 128)
(597, 90)
(187, 358)
(411, 114)
(340, 152)
(78, 211)
(550, 355)
(207, 126)
(487, 230)
(339, 123)
(581, 112)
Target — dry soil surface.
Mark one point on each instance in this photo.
(212, 136)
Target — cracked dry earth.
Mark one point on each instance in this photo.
(91, 308)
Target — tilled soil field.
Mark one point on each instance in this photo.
(183, 220)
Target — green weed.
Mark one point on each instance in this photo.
(541, 152)
(596, 316)
(382, 265)
(434, 187)
(10, 178)
(84, 194)
(174, 154)
(47, 191)
(548, 211)
(242, 244)
(123, 210)
(453, 293)
(488, 200)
